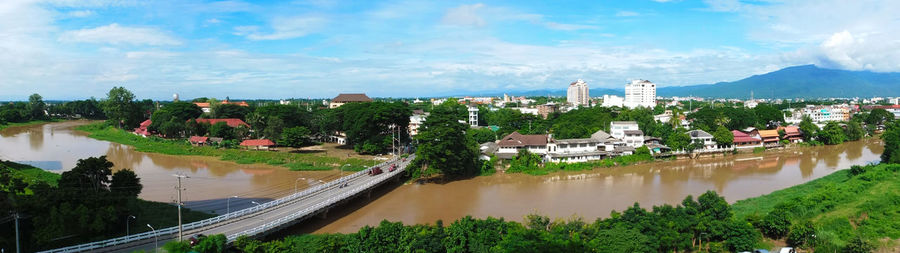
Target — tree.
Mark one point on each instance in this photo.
(482, 135)
(775, 224)
(854, 131)
(679, 139)
(120, 108)
(524, 161)
(859, 245)
(126, 183)
(228, 111)
(36, 107)
(722, 136)
(807, 128)
(369, 126)
(767, 114)
(274, 127)
(891, 138)
(831, 134)
(801, 235)
(290, 116)
(879, 116)
(295, 137)
(89, 174)
(443, 143)
(221, 130)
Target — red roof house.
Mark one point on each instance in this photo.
(258, 143)
(769, 137)
(744, 140)
(198, 140)
(230, 122)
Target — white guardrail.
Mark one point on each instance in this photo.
(232, 215)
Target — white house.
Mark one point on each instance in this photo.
(702, 137)
(628, 132)
(613, 100)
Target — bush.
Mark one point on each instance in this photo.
(758, 150)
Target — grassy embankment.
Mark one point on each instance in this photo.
(862, 202)
(158, 214)
(293, 161)
(549, 167)
(33, 122)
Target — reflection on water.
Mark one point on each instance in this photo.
(593, 194)
(58, 147)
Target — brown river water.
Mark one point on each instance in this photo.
(589, 194)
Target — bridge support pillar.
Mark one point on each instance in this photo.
(324, 214)
(369, 195)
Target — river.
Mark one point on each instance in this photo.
(591, 194)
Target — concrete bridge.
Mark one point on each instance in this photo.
(261, 219)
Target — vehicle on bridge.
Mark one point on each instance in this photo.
(392, 168)
(375, 171)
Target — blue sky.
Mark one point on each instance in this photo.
(72, 49)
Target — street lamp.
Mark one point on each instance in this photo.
(128, 224)
(156, 238)
(295, 184)
(228, 205)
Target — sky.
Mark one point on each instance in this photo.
(76, 49)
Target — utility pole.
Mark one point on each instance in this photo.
(180, 228)
(18, 247)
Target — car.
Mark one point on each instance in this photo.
(195, 239)
(787, 250)
(404, 159)
(392, 168)
(375, 171)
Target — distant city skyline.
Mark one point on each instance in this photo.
(68, 49)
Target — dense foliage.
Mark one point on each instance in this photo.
(369, 125)
(661, 229)
(20, 112)
(444, 145)
(87, 203)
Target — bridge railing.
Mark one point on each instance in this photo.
(312, 209)
(210, 221)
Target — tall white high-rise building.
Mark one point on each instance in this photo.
(578, 94)
(640, 93)
(473, 116)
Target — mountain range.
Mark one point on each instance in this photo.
(806, 81)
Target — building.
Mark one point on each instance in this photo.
(577, 94)
(613, 100)
(640, 93)
(416, 121)
(344, 98)
(473, 116)
(628, 132)
(510, 145)
(745, 140)
(821, 114)
(665, 117)
(769, 137)
(702, 137)
(258, 144)
(207, 108)
(791, 133)
(546, 109)
(198, 140)
(229, 122)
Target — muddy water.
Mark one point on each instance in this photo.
(592, 194)
(595, 193)
(57, 147)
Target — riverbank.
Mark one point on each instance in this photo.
(292, 161)
(861, 202)
(157, 214)
(29, 123)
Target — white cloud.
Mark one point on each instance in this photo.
(213, 21)
(80, 14)
(568, 27)
(116, 35)
(627, 14)
(284, 28)
(464, 15)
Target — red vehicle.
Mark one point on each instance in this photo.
(375, 171)
(392, 168)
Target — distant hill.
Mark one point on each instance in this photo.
(807, 81)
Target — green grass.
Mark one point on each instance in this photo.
(294, 161)
(31, 175)
(582, 166)
(840, 206)
(33, 122)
